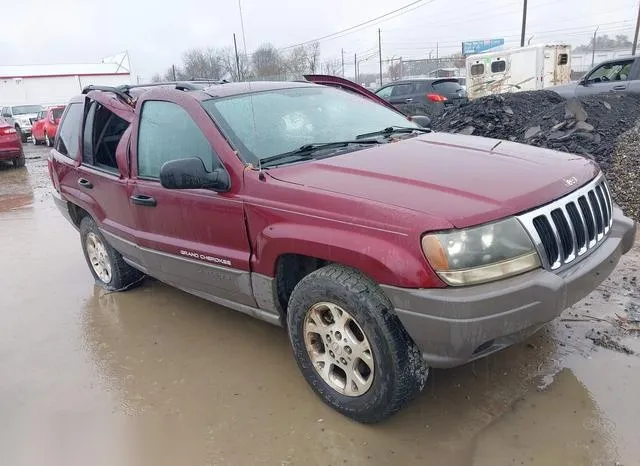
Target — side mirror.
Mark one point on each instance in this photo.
(422, 120)
(190, 173)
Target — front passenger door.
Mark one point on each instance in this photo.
(194, 239)
(608, 77)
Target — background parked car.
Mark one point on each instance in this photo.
(429, 96)
(621, 75)
(10, 144)
(21, 117)
(45, 125)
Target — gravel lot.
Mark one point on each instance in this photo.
(156, 376)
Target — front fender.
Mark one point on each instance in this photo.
(388, 258)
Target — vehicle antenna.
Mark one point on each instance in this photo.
(246, 56)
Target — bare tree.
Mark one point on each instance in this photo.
(313, 56)
(267, 62)
(156, 78)
(230, 67)
(296, 62)
(395, 70)
(332, 67)
(202, 64)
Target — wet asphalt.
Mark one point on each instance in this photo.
(156, 376)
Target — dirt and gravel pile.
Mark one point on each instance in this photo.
(603, 127)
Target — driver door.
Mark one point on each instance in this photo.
(608, 77)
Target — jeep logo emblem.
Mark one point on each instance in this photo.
(571, 181)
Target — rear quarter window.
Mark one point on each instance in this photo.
(69, 133)
(498, 66)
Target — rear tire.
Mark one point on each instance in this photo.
(335, 314)
(107, 266)
(34, 140)
(48, 142)
(19, 162)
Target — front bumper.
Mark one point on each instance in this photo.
(452, 326)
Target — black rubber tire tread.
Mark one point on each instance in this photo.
(400, 372)
(19, 162)
(123, 276)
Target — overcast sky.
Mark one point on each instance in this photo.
(156, 32)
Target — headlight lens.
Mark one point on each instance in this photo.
(481, 254)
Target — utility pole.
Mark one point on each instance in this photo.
(173, 67)
(380, 53)
(593, 50)
(524, 23)
(355, 67)
(343, 63)
(635, 37)
(235, 46)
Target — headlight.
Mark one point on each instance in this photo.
(481, 254)
(24, 121)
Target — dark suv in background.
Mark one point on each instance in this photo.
(427, 96)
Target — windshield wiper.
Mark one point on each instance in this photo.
(393, 130)
(305, 152)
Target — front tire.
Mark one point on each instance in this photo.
(350, 345)
(47, 140)
(107, 266)
(34, 140)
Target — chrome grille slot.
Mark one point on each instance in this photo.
(572, 226)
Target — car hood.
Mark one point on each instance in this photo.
(25, 116)
(466, 180)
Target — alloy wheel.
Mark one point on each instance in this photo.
(339, 349)
(98, 257)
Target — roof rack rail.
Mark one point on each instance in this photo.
(115, 90)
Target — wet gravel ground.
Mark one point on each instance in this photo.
(155, 376)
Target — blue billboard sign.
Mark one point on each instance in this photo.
(479, 46)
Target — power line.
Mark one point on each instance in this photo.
(329, 36)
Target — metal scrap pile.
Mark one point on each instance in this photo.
(605, 128)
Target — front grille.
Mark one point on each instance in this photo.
(570, 227)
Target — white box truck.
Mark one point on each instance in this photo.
(522, 69)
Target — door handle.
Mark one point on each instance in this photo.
(619, 88)
(144, 200)
(408, 100)
(86, 184)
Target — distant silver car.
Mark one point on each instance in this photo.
(21, 117)
(621, 75)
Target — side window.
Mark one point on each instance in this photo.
(166, 133)
(69, 132)
(498, 66)
(618, 71)
(563, 59)
(102, 133)
(402, 89)
(385, 92)
(477, 69)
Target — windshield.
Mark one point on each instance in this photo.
(264, 124)
(24, 109)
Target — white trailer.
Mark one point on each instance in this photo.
(522, 69)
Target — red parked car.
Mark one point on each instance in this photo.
(383, 248)
(45, 126)
(10, 144)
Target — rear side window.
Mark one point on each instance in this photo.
(102, 133)
(477, 69)
(69, 133)
(563, 59)
(166, 133)
(447, 87)
(402, 89)
(57, 112)
(498, 66)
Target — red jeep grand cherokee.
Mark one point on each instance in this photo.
(382, 248)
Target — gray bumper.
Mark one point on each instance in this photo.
(452, 326)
